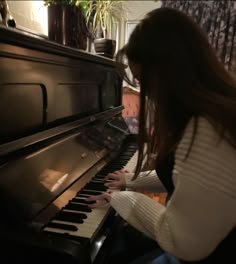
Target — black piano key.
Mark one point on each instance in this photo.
(81, 215)
(100, 176)
(91, 189)
(78, 207)
(94, 183)
(99, 182)
(97, 187)
(79, 200)
(114, 165)
(89, 192)
(69, 217)
(110, 171)
(113, 168)
(62, 226)
(103, 181)
(82, 195)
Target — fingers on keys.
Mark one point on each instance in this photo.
(113, 175)
(100, 200)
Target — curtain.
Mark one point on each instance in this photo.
(218, 19)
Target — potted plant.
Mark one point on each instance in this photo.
(102, 15)
(67, 23)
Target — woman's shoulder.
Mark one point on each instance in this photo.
(207, 158)
(201, 133)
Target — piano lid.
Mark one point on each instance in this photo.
(24, 39)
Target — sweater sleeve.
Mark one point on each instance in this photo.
(201, 211)
(146, 181)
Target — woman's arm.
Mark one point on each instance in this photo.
(146, 181)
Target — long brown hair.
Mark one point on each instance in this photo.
(181, 78)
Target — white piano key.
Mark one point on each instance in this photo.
(86, 229)
(130, 166)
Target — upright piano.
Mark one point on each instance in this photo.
(61, 132)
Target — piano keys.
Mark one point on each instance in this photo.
(87, 221)
(61, 133)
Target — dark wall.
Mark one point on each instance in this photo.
(218, 19)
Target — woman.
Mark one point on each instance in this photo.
(188, 114)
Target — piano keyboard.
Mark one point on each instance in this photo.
(76, 218)
(130, 166)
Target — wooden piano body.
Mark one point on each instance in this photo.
(61, 132)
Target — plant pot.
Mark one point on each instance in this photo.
(105, 47)
(67, 26)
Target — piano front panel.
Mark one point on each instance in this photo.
(50, 89)
(21, 102)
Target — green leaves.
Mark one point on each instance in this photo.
(98, 13)
(103, 13)
(60, 2)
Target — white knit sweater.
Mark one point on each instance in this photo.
(202, 209)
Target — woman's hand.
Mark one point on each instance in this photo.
(118, 179)
(99, 200)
